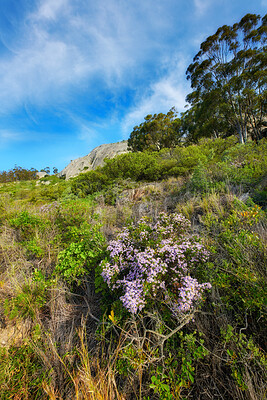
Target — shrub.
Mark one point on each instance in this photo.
(199, 180)
(90, 182)
(152, 263)
(21, 373)
(83, 253)
(243, 164)
(27, 224)
(28, 301)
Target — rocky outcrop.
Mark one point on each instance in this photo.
(41, 174)
(94, 159)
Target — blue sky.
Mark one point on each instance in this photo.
(75, 74)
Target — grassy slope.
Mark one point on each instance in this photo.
(54, 344)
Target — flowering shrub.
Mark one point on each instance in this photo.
(247, 217)
(153, 262)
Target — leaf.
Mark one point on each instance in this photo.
(165, 387)
(191, 378)
(230, 352)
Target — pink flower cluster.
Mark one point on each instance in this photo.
(189, 294)
(148, 260)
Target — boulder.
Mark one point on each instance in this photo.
(41, 174)
(94, 159)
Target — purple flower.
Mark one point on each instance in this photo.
(146, 260)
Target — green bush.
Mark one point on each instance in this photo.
(199, 181)
(27, 224)
(221, 157)
(21, 373)
(82, 255)
(243, 164)
(90, 182)
(28, 301)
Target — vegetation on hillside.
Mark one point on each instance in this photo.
(22, 174)
(138, 290)
(144, 279)
(18, 174)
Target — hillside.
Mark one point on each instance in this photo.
(144, 278)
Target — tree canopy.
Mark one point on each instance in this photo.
(18, 174)
(229, 78)
(156, 132)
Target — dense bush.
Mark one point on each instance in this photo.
(21, 373)
(85, 251)
(222, 159)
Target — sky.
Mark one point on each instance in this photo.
(75, 74)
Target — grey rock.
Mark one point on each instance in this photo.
(38, 183)
(244, 197)
(94, 159)
(41, 174)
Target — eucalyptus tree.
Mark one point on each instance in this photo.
(228, 76)
(205, 119)
(156, 132)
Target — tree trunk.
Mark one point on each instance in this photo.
(240, 133)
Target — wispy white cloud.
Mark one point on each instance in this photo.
(201, 6)
(169, 91)
(68, 44)
(8, 136)
(49, 9)
(88, 132)
(36, 73)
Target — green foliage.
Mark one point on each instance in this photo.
(177, 375)
(33, 247)
(244, 165)
(200, 121)
(157, 132)
(199, 181)
(242, 353)
(28, 225)
(35, 192)
(161, 386)
(26, 222)
(21, 373)
(228, 77)
(18, 174)
(241, 257)
(90, 182)
(136, 166)
(29, 300)
(83, 254)
(212, 163)
(190, 351)
(71, 215)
